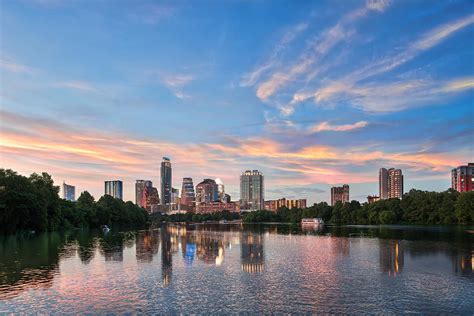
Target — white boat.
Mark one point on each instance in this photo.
(312, 221)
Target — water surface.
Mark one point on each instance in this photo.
(234, 268)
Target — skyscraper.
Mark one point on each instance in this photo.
(69, 192)
(383, 183)
(187, 192)
(462, 178)
(340, 194)
(142, 188)
(220, 189)
(207, 191)
(114, 188)
(390, 183)
(251, 190)
(166, 181)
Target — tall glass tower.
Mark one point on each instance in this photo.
(166, 181)
(187, 192)
(114, 188)
(251, 190)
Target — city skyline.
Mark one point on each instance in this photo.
(313, 97)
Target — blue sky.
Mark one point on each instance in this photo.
(311, 93)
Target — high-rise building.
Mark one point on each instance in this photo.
(207, 191)
(142, 188)
(69, 192)
(187, 192)
(252, 190)
(153, 199)
(462, 178)
(274, 205)
(166, 181)
(220, 189)
(390, 183)
(383, 183)
(114, 188)
(340, 194)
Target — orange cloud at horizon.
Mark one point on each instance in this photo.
(87, 158)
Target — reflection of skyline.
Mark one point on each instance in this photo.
(252, 252)
(33, 263)
(463, 264)
(147, 245)
(166, 256)
(392, 257)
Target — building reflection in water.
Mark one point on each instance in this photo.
(166, 256)
(341, 246)
(111, 247)
(147, 245)
(252, 254)
(392, 254)
(463, 264)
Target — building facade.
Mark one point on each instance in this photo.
(372, 198)
(114, 188)
(166, 184)
(142, 188)
(340, 194)
(217, 206)
(188, 196)
(390, 183)
(207, 191)
(69, 192)
(252, 190)
(274, 205)
(462, 178)
(220, 189)
(152, 199)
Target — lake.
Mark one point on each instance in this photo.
(223, 268)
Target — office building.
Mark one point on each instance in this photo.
(340, 194)
(274, 205)
(390, 183)
(188, 196)
(462, 178)
(166, 185)
(152, 199)
(142, 188)
(217, 206)
(207, 191)
(220, 189)
(372, 198)
(114, 188)
(69, 192)
(252, 190)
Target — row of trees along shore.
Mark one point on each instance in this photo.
(33, 203)
(416, 207)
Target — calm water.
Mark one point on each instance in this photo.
(230, 268)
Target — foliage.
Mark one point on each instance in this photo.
(416, 207)
(197, 218)
(33, 203)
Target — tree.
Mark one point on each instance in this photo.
(465, 208)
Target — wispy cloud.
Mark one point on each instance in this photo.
(12, 66)
(316, 49)
(77, 85)
(89, 157)
(251, 78)
(176, 82)
(326, 126)
(393, 96)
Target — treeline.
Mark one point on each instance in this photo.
(33, 203)
(416, 207)
(195, 218)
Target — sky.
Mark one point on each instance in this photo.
(311, 93)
